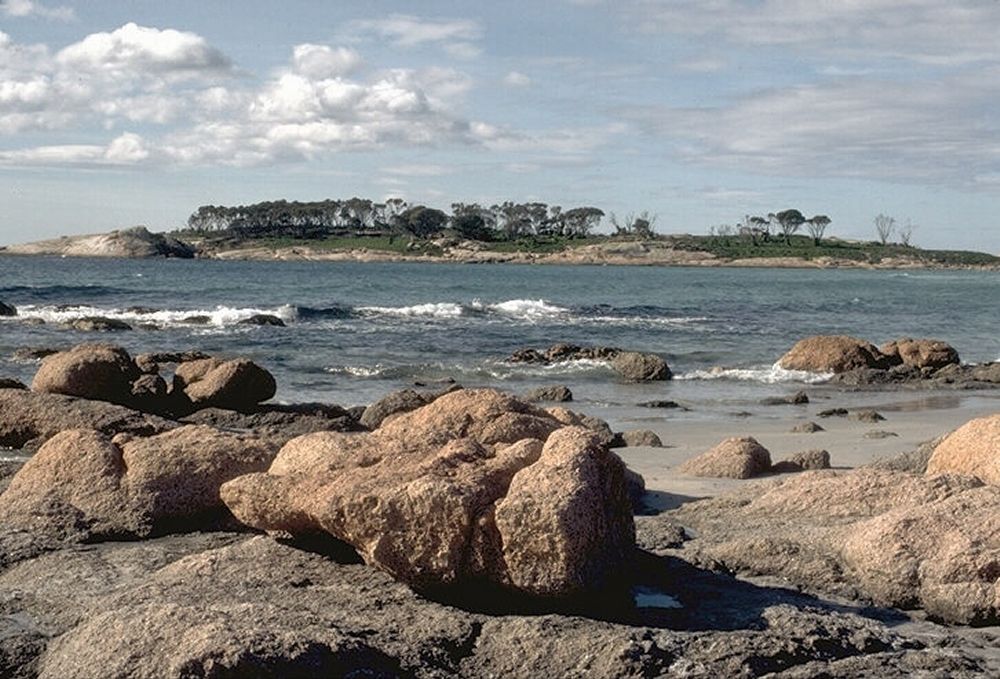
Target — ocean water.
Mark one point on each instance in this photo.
(356, 331)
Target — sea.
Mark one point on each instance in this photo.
(356, 331)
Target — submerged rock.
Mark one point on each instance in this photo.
(476, 485)
(97, 324)
(556, 393)
(734, 458)
(263, 319)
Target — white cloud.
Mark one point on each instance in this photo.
(457, 36)
(28, 8)
(323, 61)
(418, 170)
(516, 79)
(127, 149)
(925, 31)
(139, 48)
(916, 131)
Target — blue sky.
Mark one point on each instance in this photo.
(700, 111)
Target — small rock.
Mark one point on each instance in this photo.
(638, 367)
(556, 393)
(866, 415)
(197, 319)
(806, 428)
(921, 353)
(798, 398)
(661, 404)
(637, 437)
(879, 434)
(833, 412)
(239, 384)
(733, 458)
(804, 461)
(7, 310)
(11, 383)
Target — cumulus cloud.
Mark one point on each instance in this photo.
(139, 48)
(323, 61)
(29, 8)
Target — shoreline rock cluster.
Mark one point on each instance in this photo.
(462, 532)
(903, 362)
(633, 366)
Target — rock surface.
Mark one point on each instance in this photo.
(637, 437)
(973, 449)
(26, 416)
(94, 371)
(806, 428)
(831, 354)
(134, 242)
(461, 489)
(7, 309)
(920, 353)
(97, 324)
(239, 384)
(895, 538)
(733, 458)
(82, 482)
(804, 461)
(397, 402)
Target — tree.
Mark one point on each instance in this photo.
(423, 221)
(906, 233)
(580, 221)
(640, 225)
(789, 222)
(817, 227)
(884, 226)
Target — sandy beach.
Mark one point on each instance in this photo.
(915, 418)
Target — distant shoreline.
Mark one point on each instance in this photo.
(138, 243)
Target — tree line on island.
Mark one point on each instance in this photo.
(361, 216)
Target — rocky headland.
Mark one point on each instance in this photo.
(159, 518)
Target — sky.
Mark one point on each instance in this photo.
(114, 114)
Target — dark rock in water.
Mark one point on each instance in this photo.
(97, 324)
(140, 310)
(33, 353)
(804, 461)
(7, 310)
(263, 319)
(556, 393)
(632, 365)
(28, 415)
(833, 412)
(11, 383)
(806, 428)
(661, 404)
(866, 415)
(880, 434)
(197, 319)
(798, 398)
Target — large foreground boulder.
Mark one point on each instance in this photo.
(831, 354)
(733, 458)
(476, 485)
(973, 448)
(82, 482)
(96, 371)
(920, 353)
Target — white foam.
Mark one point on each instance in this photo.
(765, 375)
(220, 316)
(528, 308)
(430, 310)
(357, 370)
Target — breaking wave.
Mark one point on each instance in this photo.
(766, 375)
